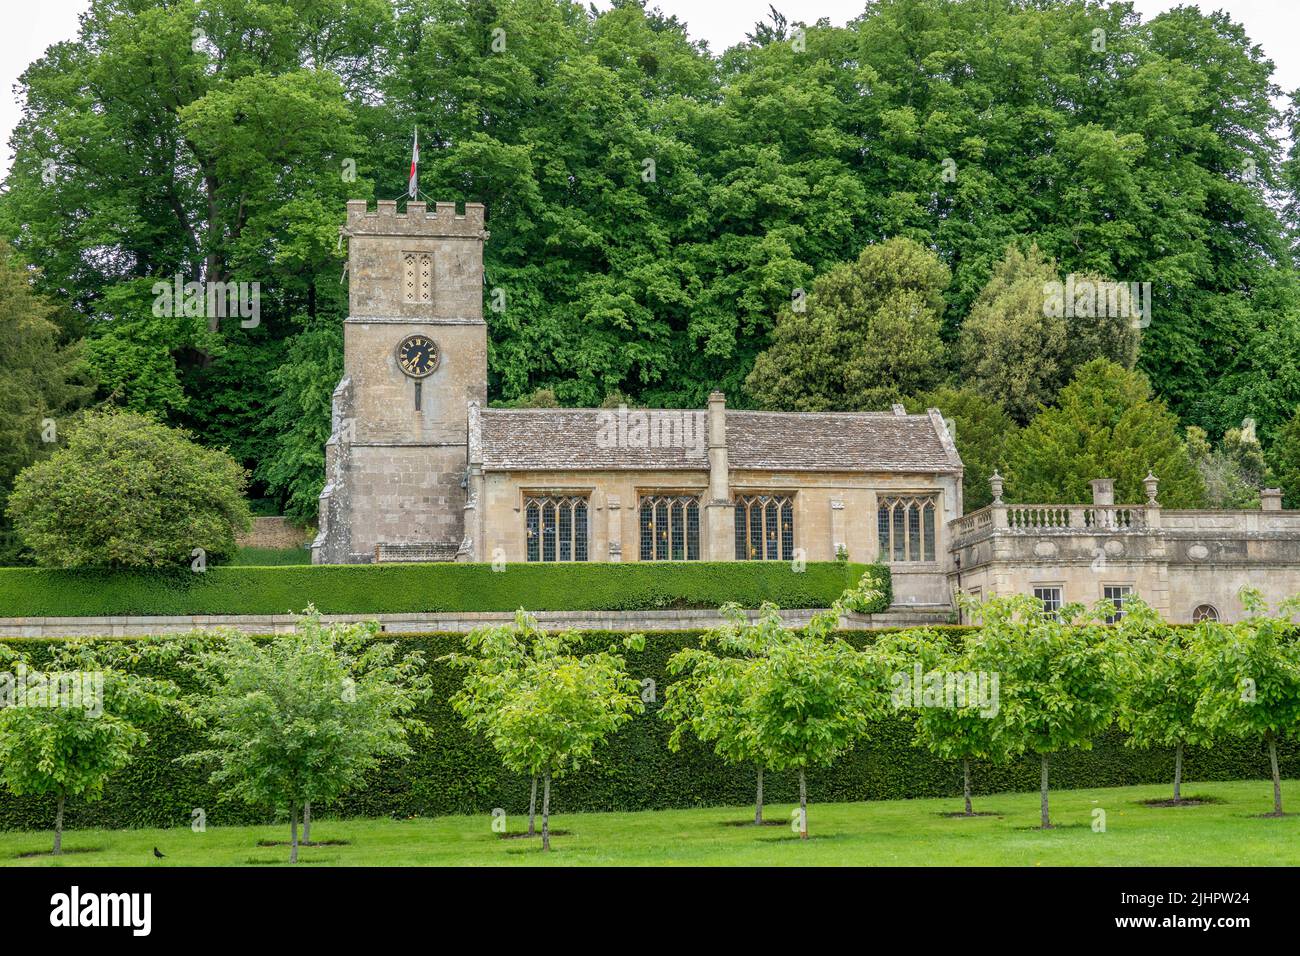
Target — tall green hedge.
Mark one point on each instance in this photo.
(455, 772)
(409, 588)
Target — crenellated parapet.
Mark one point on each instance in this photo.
(416, 219)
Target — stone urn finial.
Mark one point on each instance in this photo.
(1152, 485)
(995, 484)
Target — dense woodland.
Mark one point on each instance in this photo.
(818, 218)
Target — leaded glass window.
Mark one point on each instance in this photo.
(556, 527)
(764, 528)
(670, 527)
(905, 525)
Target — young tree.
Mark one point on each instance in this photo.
(547, 715)
(1054, 675)
(1157, 684)
(496, 658)
(129, 492)
(809, 697)
(957, 709)
(709, 700)
(1249, 676)
(303, 717)
(69, 725)
(870, 335)
(1106, 424)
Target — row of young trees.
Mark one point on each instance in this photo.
(1022, 682)
(303, 718)
(296, 720)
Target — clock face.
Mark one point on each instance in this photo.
(418, 355)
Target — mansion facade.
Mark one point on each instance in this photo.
(419, 469)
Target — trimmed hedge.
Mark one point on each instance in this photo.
(454, 772)
(410, 588)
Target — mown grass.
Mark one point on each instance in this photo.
(1231, 830)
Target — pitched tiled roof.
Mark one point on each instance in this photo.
(549, 439)
(839, 441)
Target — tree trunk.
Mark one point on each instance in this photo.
(1047, 822)
(758, 800)
(1178, 774)
(803, 807)
(306, 822)
(965, 773)
(546, 811)
(1277, 781)
(293, 831)
(58, 827)
(532, 809)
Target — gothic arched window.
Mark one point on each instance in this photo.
(556, 528)
(670, 527)
(764, 528)
(906, 526)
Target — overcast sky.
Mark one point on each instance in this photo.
(1274, 24)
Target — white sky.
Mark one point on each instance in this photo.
(722, 22)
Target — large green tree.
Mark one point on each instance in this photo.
(868, 334)
(42, 380)
(1107, 425)
(1019, 350)
(653, 204)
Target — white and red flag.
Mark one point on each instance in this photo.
(413, 188)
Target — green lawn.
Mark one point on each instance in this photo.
(895, 833)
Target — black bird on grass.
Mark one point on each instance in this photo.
(158, 853)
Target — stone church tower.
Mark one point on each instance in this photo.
(415, 357)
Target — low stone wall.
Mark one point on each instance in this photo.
(52, 627)
(274, 533)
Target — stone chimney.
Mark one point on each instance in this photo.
(1270, 499)
(1103, 491)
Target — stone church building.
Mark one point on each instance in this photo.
(419, 469)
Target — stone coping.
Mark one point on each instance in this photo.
(666, 620)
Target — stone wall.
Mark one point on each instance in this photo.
(1174, 560)
(829, 509)
(626, 621)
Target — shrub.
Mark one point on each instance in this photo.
(129, 492)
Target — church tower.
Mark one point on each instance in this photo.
(414, 357)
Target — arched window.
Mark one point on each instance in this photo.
(906, 525)
(1205, 612)
(556, 528)
(764, 528)
(670, 528)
